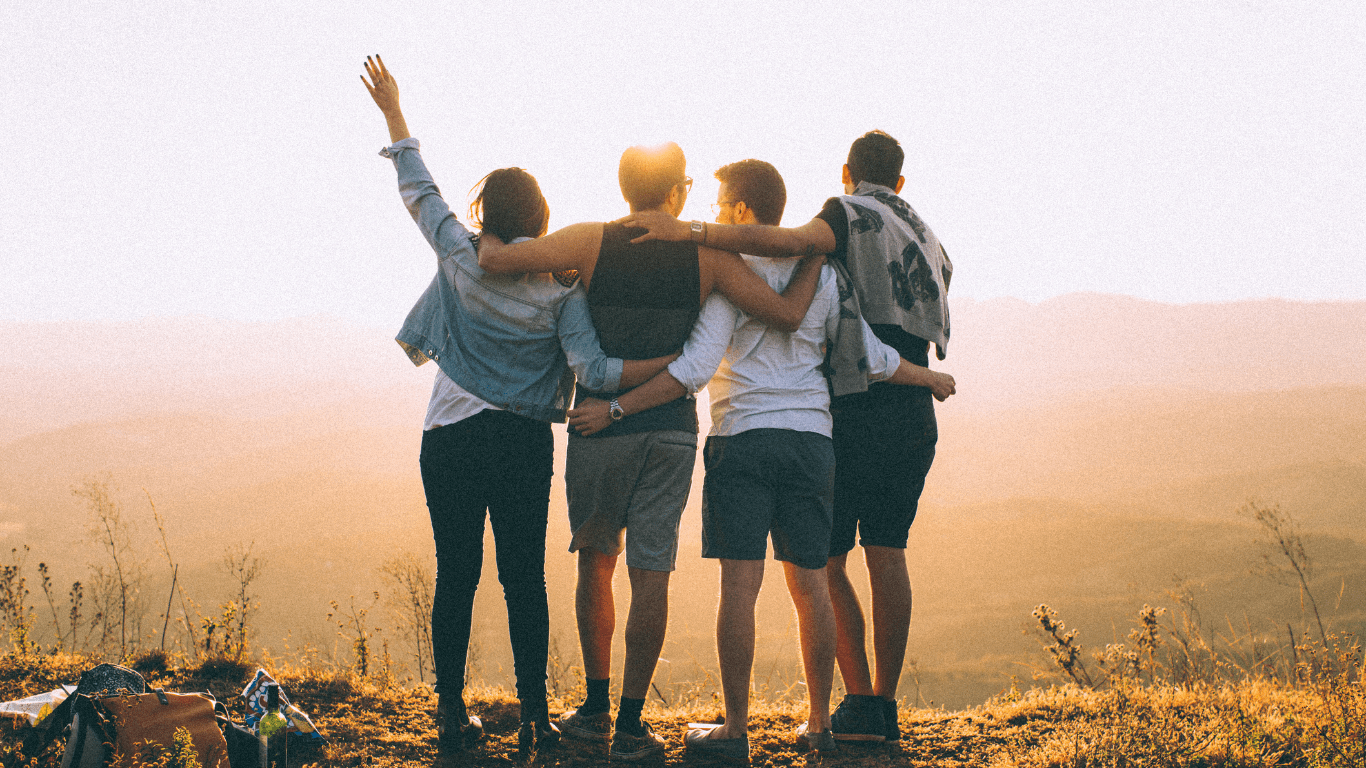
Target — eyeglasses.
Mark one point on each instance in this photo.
(687, 183)
(716, 208)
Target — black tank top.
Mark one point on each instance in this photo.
(644, 303)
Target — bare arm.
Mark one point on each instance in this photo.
(732, 278)
(592, 415)
(633, 372)
(385, 93)
(885, 365)
(420, 194)
(810, 238)
(941, 385)
(573, 247)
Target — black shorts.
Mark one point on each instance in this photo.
(768, 480)
(883, 450)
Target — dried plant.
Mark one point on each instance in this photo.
(1281, 541)
(1062, 645)
(354, 625)
(411, 588)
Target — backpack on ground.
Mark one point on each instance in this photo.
(142, 727)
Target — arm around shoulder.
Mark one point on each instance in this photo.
(811, 238)
(573, 247)
(733, 278)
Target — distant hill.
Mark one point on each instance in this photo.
(1100, 448)
(1164, 449)
(1008, 353)
(1005, 354)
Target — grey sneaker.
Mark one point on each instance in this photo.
(731, 750)
(595, 726)
(822, 741)
(889, 719)
(859, 718)
(646, 746)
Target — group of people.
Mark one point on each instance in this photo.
(823, 425)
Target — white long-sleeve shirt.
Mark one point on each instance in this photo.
(767, 377)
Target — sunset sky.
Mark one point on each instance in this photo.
(219, 159)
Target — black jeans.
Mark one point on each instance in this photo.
(499, 462)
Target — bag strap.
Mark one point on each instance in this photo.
(58, 719)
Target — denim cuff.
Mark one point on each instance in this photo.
(392, 149)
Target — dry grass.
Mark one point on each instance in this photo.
(1319, 722)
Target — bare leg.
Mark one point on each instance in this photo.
(891, 586)
(646, 626)
(816, 618)
(740, 582)
(850, 650)
(596, 612)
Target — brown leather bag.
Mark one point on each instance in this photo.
(155, 717)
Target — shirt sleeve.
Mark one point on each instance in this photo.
(706, 345)
(422, 198)
(834, 215)
(828, 287)
(883, 360)
(579, 340)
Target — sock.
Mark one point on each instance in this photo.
(628, 716)
(597, 700)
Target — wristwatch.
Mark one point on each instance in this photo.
(699, 231)
(614, 408)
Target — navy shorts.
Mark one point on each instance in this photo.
(764, 481)
(882, 454)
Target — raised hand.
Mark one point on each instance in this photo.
(381, 85)
(384, 90)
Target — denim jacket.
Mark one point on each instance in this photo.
(509, 339)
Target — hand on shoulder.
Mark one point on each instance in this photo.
(658, 225)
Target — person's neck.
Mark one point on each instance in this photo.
(662, 208)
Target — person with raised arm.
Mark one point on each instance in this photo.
(769, 460)
(897, 275)
(634, 476)
(507, 349)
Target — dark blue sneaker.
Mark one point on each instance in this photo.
(889, 719)
(859, 718)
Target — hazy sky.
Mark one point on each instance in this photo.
(220, 158)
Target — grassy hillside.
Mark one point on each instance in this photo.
(1319, 720)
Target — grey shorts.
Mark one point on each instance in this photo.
(764, 481)
(635, 483)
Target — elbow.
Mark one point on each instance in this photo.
(493, 255)
(491, 263)
(788, 322)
